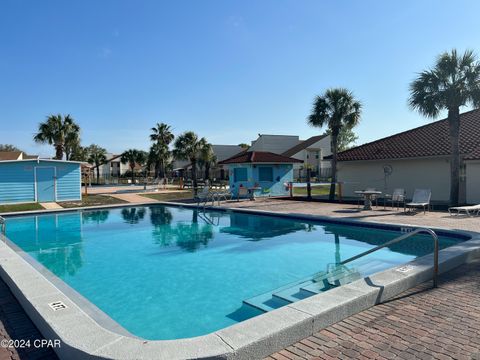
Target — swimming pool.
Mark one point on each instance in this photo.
(165, 272)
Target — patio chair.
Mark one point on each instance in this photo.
(466, 209)
(421, 198)
(205, 196)
(397, 197)
(242, 192)
(223, 194)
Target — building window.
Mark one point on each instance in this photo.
(240, 174)
(265, 174)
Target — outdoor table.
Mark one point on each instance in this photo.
(368, 194)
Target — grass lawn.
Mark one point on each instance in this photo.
(177, 195)
(317, 190)
(92, 200)
(20, 207)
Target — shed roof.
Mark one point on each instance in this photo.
(259, 157)
(425, 141)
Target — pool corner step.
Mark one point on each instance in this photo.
(266, 302)
(293, 293)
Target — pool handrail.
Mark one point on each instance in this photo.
(403, 237)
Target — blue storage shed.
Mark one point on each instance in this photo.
(260, 171)
(23, 181)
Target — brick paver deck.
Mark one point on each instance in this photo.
(16, 325)
(422, 323)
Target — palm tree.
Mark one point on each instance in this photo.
(161, 136)
(187, 147)
(97, 156)
(452, 83)
(79, 153)
(133, 157)
(336, 109)
(72, 142)
(56, 130)
(207, 159)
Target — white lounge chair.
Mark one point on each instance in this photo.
(222, 194)
(456, 210)
(421, 198)
(205, 196)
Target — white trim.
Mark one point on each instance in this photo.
(38, 161)
(54, 181)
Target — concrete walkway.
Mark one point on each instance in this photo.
(422, 323)
(133, 198)
(51, 206)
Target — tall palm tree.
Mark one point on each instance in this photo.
(161, 136)
(72, 142)
(187, 147)
(207, 159)
(55, 131)
(453, 82)
(97, 156)
(133, 157)
(337, 108)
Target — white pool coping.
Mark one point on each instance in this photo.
(84, 338)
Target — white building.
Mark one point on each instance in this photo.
(311, 151)
(417, 158)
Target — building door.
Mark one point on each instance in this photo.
(45, 184)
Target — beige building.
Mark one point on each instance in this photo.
(311, 151)
(417, 158)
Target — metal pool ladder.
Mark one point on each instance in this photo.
(401, 238)
(3, 226)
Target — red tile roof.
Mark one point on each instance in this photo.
(259, 157)
(425, 141)
(303, 145)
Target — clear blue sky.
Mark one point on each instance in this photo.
(227, 70)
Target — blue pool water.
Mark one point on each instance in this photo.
(168, 272)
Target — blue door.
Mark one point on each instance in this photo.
(45, 184)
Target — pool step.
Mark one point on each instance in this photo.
(293, 293)
(266, 302)
(303, 289)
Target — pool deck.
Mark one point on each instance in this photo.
(438, 219)
(421, 323)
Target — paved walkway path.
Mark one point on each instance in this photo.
(422, 323)
(133, 198)
(51, 206)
